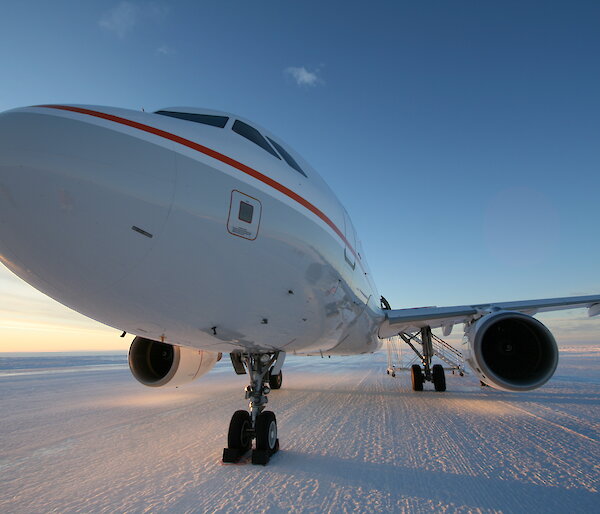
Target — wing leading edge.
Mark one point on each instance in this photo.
(407, 320)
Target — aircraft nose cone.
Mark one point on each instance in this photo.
(71, 192)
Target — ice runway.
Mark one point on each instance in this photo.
(85, 438)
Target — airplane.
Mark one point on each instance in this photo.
(201, 233)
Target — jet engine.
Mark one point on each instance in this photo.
(511, 351)
(157, 364)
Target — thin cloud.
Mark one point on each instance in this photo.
(156, 10)
(164, 50)
(303, 76)
(122, 18)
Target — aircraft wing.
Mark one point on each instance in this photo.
(407, 320)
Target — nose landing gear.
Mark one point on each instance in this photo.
(258, 424)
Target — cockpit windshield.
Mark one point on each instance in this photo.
(288, 158)
(205, 119)
(250, 133)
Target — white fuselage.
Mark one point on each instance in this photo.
(74, 181)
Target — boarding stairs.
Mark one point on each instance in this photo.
(430, 346)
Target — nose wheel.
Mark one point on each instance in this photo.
(239, 436)
(256, 423)
(267, 443)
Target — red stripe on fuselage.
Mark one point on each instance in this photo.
(215, 155)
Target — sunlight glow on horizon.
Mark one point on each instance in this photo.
(32, 322)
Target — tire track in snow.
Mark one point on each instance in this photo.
(558, 425)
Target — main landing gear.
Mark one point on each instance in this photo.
(257, 424)
(418, 377)
(427, 373)
(430, 345)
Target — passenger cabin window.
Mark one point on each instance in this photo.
(246, 212)
(250, 133)
(288, 158)
(205, 119)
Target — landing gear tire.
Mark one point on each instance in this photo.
(239, 431)
(439, 379)
(266, 438)
(275, 381)
(256, 423)
(416, 376)
(239, 439)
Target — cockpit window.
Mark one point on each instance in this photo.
(288, 158)
(250, 133)
(205, 119)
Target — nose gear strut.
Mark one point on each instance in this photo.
(256, 423)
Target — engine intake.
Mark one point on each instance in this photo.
(512, 351)
(156, 364)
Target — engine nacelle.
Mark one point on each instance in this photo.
(157, 364)
(511, 351)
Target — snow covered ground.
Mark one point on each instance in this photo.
(80, 435)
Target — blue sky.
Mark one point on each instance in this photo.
(463, 137)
